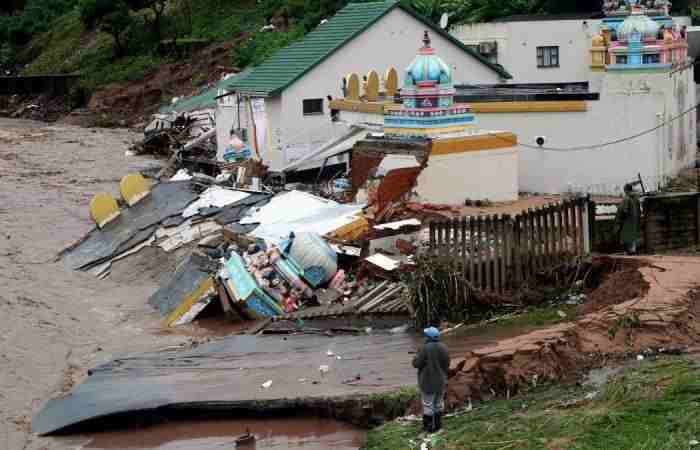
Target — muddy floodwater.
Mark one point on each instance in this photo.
(289, 433)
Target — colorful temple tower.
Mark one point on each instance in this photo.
(428, 106)
(638, 37)
(464, 161)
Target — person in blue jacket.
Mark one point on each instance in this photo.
(433, 364)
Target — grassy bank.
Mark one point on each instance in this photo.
(652, 405)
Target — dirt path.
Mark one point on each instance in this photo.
(55, 323)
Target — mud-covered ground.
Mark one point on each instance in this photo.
(55, 323)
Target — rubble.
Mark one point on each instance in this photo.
(252, 254)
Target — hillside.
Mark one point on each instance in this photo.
(135, 55)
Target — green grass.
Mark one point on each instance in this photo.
(56, 51)
(655, 406)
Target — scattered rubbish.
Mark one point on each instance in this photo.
(214, 196)
(640, 357)
(323, 369)
(330, 353)
(267, 384)
(561, 314)
(694, 443)
(384, 262)
(245, 439)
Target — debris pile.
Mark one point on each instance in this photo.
(252, 253)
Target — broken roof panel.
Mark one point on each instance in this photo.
(215, 196)
(185, 284)
(133, 226)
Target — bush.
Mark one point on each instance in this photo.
(35, 18)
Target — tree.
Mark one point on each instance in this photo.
(111, 16)
(158, 9)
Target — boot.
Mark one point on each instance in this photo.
(438, 422)
(428, 424)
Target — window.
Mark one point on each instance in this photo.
(547, 56)
(652, 58)
(621, 59)
(313, 106)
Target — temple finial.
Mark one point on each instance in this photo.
(426, 39)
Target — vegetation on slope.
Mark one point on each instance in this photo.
(122, 40)
(652, 406)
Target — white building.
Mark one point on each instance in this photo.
(283, 103)
(601, 124)
(539, 48)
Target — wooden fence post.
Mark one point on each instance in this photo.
(517, 250)
(463, 234)
(496, 253)
(472, 251)
(479, 251)
(487, 249)
(431, 227)
(580, 216)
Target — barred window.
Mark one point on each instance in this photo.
(548, 56)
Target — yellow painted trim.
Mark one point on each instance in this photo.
(521, 107)
(133, 188)
(103, 209)
(190, 300)
(479, 143)
(427, 131)
(358, 106)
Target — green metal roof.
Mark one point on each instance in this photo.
(290, 63)
(205, 98)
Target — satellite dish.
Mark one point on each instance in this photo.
(443, 20)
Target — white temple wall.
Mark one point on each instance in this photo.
(629, 104)
(477, 175)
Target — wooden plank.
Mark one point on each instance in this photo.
(516, 249)
(547, 219)
(488, 283)
(539, 247)
(507, 261)
(454, 238)
(463, 241)
(497, 252)
(527, 244)
(560, 234)
(472, 247)
(479, 251)
(566, 226)
(506, 247)
(580, 213)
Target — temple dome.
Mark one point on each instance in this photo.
(640, 23)
(428, 67)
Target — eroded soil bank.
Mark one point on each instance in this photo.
(662, 316)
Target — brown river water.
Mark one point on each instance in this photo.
(287, 433)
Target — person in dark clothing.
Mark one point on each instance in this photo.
(629, 220)
(433, 364)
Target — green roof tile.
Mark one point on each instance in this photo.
(290, 63)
